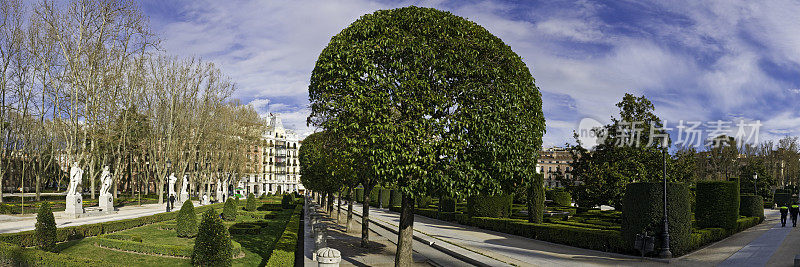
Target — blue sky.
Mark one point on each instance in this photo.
(697, 61)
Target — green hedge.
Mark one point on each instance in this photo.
(360, 195)
(643, 210)
(717, 204)
(447, 204)
(284, 252)
(186, 222)
(132, 245)
(498, 206)
(27, 238)
(229, 210)
(596, 239)
(751, 206)
(45, 227)
(245, 228)
(213, 246)
(251, 203)
(395, 198)
(385, 196)
(134, 238)
(13, 255)
(423, 201)
(706, 236)
(379, 197)
(288, 201)
(783, 199)
(560, 197)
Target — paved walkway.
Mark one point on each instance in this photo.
(19, 223)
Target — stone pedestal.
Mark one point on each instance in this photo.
(183, 198)
(106, 202)
(74, 205)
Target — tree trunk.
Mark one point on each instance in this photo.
(365, 218)
(350, 196)
(406, 235)
(330, 203)
(91, 172)
(339, 206)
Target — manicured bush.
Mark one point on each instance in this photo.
(423, 201)
(751, 206)
(747, 222)
(498, 206)
(45, 227)
(251, 203)
(603, 240)
(447, 204)
(286, 247)
(535, 198)
(561, 198)
(643, 211)
(374, 196)
(229, 211)
(212, 247)
(134, 238)
(287, 202)
(244, 229)
(717, 204)
(186, 222)
(385, 195)
(395, 198)
(360, 195)
(767, 205)
(13, 255)
(783, 199)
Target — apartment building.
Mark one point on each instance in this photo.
(553, 162)
(273, 165)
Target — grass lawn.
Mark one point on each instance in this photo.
(256, 247)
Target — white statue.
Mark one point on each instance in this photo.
(75, 179)
(184, 190)
(172, 180)
(105, 178)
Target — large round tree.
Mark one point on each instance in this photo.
(427, 100)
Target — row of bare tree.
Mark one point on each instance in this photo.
(84, 81)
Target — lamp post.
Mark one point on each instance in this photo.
(755, 183)
(665, 253)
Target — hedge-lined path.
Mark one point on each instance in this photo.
(760, 250)
(505, 248)
(28, 221)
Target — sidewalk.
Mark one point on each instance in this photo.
(28, 222)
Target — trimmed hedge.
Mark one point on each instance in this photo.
(395, 198)
(251, 203)
(213, 246)
(133, 245)
(13, 255)
(186, 222)
(284, 252)
(596, 239)
(706, 236)
(498, 206)
(244, 228)
(27, 238)
(560, 197)
(360, 195)
(385, 196)
(134, 238)
(423, 201)
(287, 202)
(229, 210)
(535, 199)
(447, 204)
(783, 199)
(751, 206)
(643, 211)
(717, 204)
(45, 227)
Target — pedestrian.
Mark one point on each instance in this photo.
(172, 201)
(784, 213)
(793, 211)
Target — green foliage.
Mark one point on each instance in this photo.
(287, 201)
(286, 247)
(251, 203)
(783, 199)
(229, 211)
(643, 211)
(498, 206)
(384, 197)
(423, 201)
(395, 198)
(245, 228)
(13, 255)
(45, 227)
(322, 169)
(447, 204)
(717, 204)
(387, 82)
(360, 195)
(186, 222)
(751, 206)
(134, 238)
(560, 197)
(596, 239)
(212, 247)
(535, 199)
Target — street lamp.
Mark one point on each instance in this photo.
(665, 253)
(755, 183)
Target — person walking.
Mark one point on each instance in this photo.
(172, 201)
(784, 213)
(793, 211)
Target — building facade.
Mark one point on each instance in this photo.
(273, 166)
(553, 162)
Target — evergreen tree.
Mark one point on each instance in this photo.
(213, 244)
(229, 211)
(45, 227)
(251, 203)
(187, 220)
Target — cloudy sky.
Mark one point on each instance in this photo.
(697, 61)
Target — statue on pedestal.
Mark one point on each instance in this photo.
(184, 190)
(106, 200)
(219, 191)
(171, 193)
(74, 198)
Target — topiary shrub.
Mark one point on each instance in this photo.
(498, 206)
(395, 198)
(385, 195)
(535, 199)
(751, 206)
(360, 195)
(447, 204)
(717, 204)
(561, 198)
(643, 211)
(251, 203)
(229, 211)
(45, 227)
(287, 201)
(782, 199)
(375, 196)
(213, 244)
(186, 222)
(423, 201)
